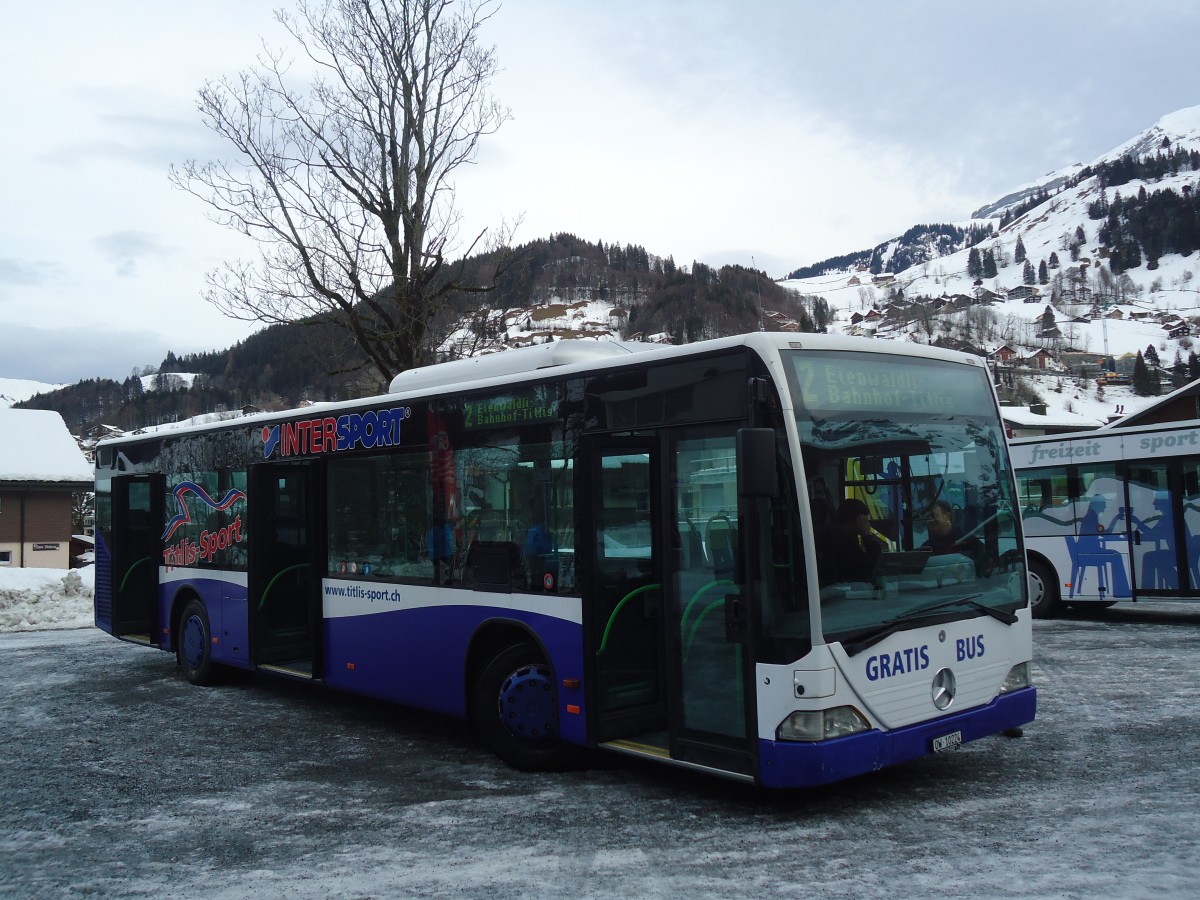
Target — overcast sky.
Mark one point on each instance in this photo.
(783, 132)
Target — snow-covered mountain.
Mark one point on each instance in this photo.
(1096, 305)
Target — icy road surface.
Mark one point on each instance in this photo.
(119, 779)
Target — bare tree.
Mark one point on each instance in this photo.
(345, 182)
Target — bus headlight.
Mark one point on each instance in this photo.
(1018, 677)
(822, 724)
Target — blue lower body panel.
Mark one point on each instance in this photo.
(416, 657)
(787, 764)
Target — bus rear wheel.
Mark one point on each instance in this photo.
(193, 645)
(515, 707)
(1045, 600)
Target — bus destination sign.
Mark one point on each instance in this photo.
(525, 408)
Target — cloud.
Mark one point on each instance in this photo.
(125, 248)
(140, 141)
(21, 273)
(67, 354)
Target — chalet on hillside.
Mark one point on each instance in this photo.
(1039, 359)
(1003, 354)
(1025, 292)
(1177, 330)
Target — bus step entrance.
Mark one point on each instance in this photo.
(654, 744)
(297, 668)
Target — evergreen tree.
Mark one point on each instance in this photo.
(1054, 263)
(1145, 382)
(1019, 250)
(1179, 370)
(974, 265)
(1043, 273)
(1047, 319)
(989, 264)
(1151, 356)
(1027, 273)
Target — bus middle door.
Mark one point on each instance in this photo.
(286, 537)
(626, 610)
(136, 555)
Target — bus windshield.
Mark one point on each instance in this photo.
(910, 490)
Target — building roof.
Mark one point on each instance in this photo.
(1180, 405)
(1023, 417)
(37, 448)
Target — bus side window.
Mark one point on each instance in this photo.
(516, 491)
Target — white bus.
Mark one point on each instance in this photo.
(600, 545)
(1111, 515)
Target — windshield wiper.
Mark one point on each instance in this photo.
(1002, 614)
(862, 642)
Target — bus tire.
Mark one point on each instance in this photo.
(193, 645)
(515, 707)
(1045, 599)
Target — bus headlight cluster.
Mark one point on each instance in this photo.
(822, 724)
(1018, 677)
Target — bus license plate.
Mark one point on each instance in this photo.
(951, 741)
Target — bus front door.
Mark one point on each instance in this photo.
(709, 616)
(285, 539)
(667, 622)
(137, 517)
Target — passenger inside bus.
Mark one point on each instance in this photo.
(540, 559)
(943, 532)
(853, 550)
(944, 536)
(440, 547)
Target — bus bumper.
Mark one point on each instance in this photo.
(787, 764)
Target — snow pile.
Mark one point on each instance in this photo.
(46, 599)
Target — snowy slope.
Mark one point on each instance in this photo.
(18, 390)
(1173, 288)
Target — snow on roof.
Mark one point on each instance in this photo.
(1022, 415)
(37, 447)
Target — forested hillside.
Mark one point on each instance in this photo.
(283, 365)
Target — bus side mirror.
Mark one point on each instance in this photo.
(757, 474)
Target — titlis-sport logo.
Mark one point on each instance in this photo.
(351, 431)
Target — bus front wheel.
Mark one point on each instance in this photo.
(515, 707)
(193, 645)
(1045, 600)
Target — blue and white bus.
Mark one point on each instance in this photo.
(1111, 515)
(596, 545)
